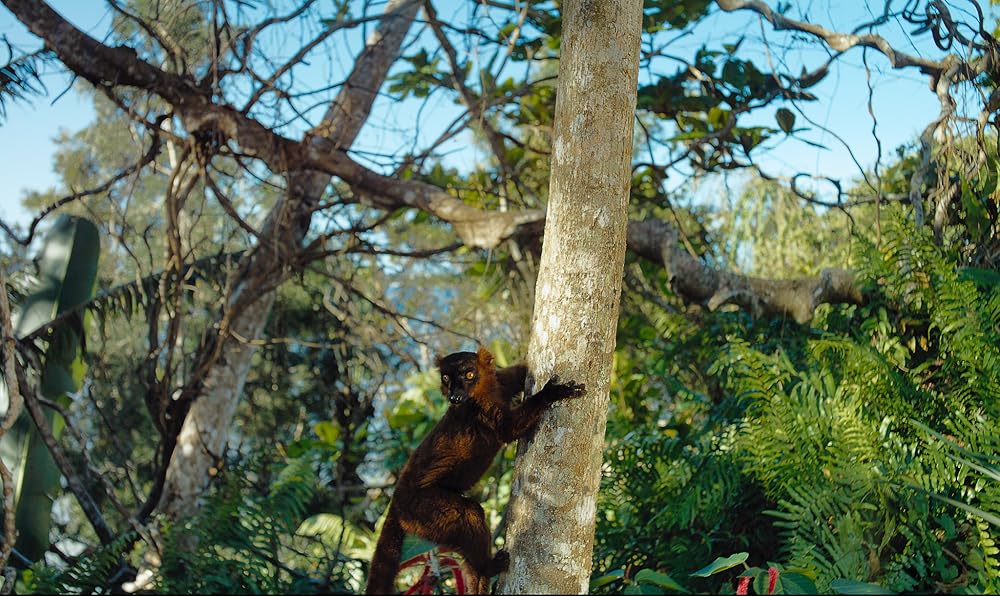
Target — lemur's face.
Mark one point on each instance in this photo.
(459, 374)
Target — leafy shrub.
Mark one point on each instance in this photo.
(864, 450)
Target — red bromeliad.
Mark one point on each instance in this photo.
(433, 564)
(772, 578)
(743, 587)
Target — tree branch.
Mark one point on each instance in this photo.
(323, 150)
(697, 283)
(840, 42)
(475, 107)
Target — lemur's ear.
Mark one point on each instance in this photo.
(438, 361)
(485, 357)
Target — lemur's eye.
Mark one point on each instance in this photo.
(445, 378)
(470, 375)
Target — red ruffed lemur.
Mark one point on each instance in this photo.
(429, 500)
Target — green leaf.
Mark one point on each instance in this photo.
(20, 78)
(327, 432)
(604, 580)
(648, 576)
(732, 47)
(796, 583)
(849, 586)
(947, 524)
(786, 119)
(334, 532)
(760, 584)
(733, 72)
(405, 415)
(721, 564)
(67, 271)
(989, 471)
(981, 277)
(991, 518)
(718, 118)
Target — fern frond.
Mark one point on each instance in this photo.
(89, 575)
(136, 296)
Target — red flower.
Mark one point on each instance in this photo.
(772, 578)
(744, 586)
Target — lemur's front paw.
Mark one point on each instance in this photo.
(500, 562)
(559, 390)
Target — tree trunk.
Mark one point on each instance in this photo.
(550, 529)
(206, 426)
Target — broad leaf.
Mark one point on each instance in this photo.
(721, 564)
(604, 580)
(67, 270)
(849, 586)
(662, 580)
(413, 546)
(786, 119)
(796, 583)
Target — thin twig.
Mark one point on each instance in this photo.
(154, 150)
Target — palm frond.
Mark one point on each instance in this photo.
(20, 77)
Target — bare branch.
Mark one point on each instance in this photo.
(269, 84)
(474, 106)
(322, 151)
(109, 490)
(840, 42)
(155, 29)
(696, 282)
(14, 405)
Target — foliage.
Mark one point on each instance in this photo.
(432, 570)
(246, 539)
(259, 532)
(20, 78)
(843, 442)
(66, 271)
(768, 232)
(273, 523)
(89, 575)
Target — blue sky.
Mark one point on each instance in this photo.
(903, 104)
(26, 135)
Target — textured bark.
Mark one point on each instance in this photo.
(202, 439)
(206, 426)
(551, 517)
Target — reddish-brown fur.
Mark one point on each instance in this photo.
(429, 499)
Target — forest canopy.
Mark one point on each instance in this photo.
(220, 320)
